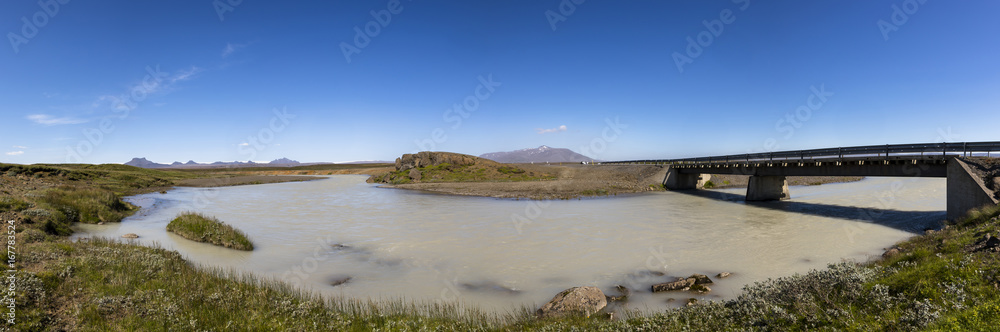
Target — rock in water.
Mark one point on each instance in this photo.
(575, 301)
(700, 279)
(674, 285)
(339, 280)
(700, 288)
(625, 293)
(723, 275)
(130, 236)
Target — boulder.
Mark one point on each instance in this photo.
(625, 293)
(680, 284)
(131, 236)
(890, 253)
(700, 288)
(723, 275)
(987, 243)
(414, 174)
(585, 301)
(700, 279)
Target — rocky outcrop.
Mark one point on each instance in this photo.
(680, 284)
(988, 243)
(685, 284)
(574, 301)
(427, 158)
(446, 167)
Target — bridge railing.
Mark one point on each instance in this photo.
(878, 151)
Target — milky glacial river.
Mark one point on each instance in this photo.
(502, 254)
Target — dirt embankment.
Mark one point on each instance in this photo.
(989, 170)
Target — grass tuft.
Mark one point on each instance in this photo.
(197, 227)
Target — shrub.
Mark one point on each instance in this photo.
(510, 170)
(12, 204)
(86, 205)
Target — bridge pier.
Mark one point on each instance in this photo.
(966, 190)
(767, 188)
(675, 180)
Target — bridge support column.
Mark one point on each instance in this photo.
(675, 180)
(767, 188)
(966, 190)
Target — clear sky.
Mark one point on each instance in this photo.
(105, 81)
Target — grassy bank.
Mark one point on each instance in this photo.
(197, 227)
(946, 280)
(465, 173)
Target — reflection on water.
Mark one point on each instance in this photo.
(386, 243)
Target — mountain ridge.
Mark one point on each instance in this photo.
(541, 154)
(142, 162)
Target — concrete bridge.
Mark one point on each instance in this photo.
(767, 171)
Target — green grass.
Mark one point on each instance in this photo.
(197, 227)
(709, 185)
(935, 283)
(102, 285)
(470, 173)
(446, 172)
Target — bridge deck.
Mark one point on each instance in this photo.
(928, 166)
(907, 160)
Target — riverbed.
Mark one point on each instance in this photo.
(502, 254)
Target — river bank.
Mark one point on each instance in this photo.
(929, 281)
(575, 181)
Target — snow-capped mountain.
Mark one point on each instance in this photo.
(540, 154)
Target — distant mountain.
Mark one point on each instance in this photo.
(283, 161)
(142, 162)
(540, 154)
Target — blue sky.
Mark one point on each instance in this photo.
(206, 80)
